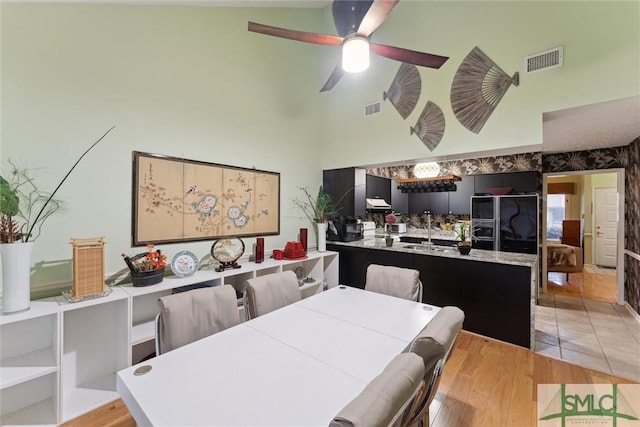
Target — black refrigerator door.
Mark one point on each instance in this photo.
(518, 224)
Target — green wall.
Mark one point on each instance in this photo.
(181, 81)
(193, 82)
(601, 62)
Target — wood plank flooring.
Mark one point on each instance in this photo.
(592, 283)
(485, 383)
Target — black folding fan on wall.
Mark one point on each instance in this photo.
(355, 19)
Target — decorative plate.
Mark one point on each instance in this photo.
(227, 250)
(184, 264)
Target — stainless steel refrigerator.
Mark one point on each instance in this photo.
(505, 223)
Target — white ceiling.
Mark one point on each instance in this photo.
(605, 124)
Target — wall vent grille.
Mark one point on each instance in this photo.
(372, 108)
(543, 60)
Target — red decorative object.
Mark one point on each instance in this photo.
(303, 239)
(259, 249)
(294, 250)
(499, 191)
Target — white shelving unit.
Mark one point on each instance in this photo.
(29, 365)
(59, 360)
(95, 345)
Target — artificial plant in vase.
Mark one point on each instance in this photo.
(24, 208)
(464, 234)
(389, 220)
(319, 210)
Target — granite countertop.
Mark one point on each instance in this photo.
(527, 260)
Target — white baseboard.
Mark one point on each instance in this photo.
(632, 311)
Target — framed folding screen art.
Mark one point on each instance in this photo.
(181, 200)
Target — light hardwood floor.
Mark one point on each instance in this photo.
(485, 383)
(592, 283)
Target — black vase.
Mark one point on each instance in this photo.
(464, 250)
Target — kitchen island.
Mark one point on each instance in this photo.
(496, 290)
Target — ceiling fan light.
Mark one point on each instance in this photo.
(355, 54)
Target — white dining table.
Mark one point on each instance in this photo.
(296, 366)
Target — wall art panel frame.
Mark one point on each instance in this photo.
(182, 200)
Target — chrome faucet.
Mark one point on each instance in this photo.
(428, 231)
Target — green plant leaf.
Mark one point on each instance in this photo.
(9, 200)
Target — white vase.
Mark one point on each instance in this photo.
(322, 236)
(16, 276)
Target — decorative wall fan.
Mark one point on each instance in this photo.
(477, 88)
(404, 90)
(430, 126)
(355, 20)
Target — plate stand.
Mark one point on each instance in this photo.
(225, 265)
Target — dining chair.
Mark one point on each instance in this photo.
(189, 316)
(433, 344)
(395, 281)
(384, 399)
(264, 294)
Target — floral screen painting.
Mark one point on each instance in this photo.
(178, 200)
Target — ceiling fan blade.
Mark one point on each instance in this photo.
(348, 14)
(408, 56)
(334, 78)
(375, 16)
(316, 38)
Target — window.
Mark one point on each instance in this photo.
(556, 211)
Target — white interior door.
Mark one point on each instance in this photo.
(605, 226)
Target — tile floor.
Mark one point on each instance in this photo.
(593, 334)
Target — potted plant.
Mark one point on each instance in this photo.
(464, 234)
(24, 208)
(389, 220)
(319, 210)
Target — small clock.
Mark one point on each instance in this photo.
(184, 264)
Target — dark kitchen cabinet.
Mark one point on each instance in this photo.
(354, 262)
(460, 200)
(378, 188)
(399, 200)
(520, 182)
(347, 188)
(437, 203)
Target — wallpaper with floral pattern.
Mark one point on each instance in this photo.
(627, 157)
(500, 164)
(632, 226)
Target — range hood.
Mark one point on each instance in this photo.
(378, 205)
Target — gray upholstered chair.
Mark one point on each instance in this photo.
(189, 316)
(266, 293)
(433, 344)
(384, 399)
(395, 281)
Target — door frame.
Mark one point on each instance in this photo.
(621, 224)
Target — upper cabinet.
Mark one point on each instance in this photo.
(517, 182)
(378, 188)
(460, 200)
(358, 186)
(347, 188)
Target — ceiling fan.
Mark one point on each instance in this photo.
(355, 21)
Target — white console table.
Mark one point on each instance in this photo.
(59, 359)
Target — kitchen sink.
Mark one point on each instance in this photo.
(426, 248)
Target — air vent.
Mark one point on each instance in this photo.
(543, 60)
(372, 108)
